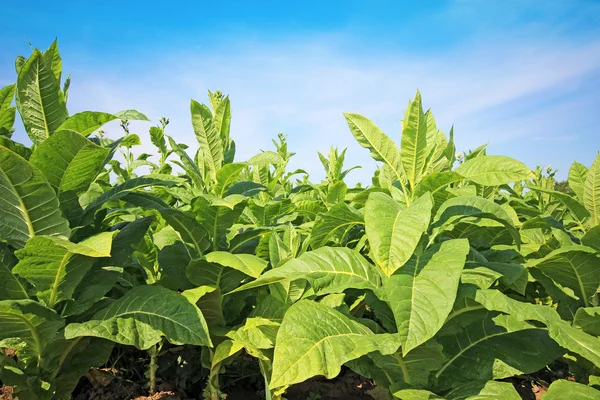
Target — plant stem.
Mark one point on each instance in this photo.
(153, 368)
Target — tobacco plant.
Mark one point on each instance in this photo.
(444, 277)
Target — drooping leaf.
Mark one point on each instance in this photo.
(327, 269)
(494, 170)
(588, 319)
(131, 115)
(575, 267)
(306, 347)
(494, 348)
(55, 267)
(28, 205)
(573, 205)
(143, 316)
(40, 101)
(86, 122)
(394, 232)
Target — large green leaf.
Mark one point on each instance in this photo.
(493, 348)
(382, 148)
(563, 389)
(393, 231)
(457, 208)
(422, 293)
(334, 225)
(28, 205)
(7, 94)
(327, 269)
(307, 347)
(11, 286)
(577, 177)
(85, 123)
(211, 146)
(188, 228)
(29, 321)
(575, 267)
(588, 319)
(591, 197)
(40, 101)
(494, 170)
(414, 149)
(561, 331)
(492, 390)
(188, 164)
(143, 316)
(55, 267)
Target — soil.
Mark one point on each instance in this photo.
(6, 393)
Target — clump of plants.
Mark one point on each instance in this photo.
(443, 279)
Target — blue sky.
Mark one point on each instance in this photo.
(521, 75)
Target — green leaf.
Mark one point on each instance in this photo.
(55, 267)
(11, 286)
(39, 99)
(414, 394)
(248, 264)
(394, 232)
(190, 167)
(228, 175)
(71, 163)
(7, 94)
(458, 208)
(69, 360)
(143, 316)
(30, 321)
(217, 219)
(575, 267)
(563, 389)
(492, 390)
(188, 228)
(577, 177)
(328, 270)
(422, 293)
(561, 331)
(211, 146)
(245, 188)
(494, 170)
(591, 197)
(334, 225)
(495, 348)
(53, 60)
(414, 149)
(382, 148)
(573, 205)
(29, 205)
(307, 347)
(588, 320)
(131, 115)
(87, 122)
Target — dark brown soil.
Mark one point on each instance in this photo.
(348, 385)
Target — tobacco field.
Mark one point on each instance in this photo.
(449, 276)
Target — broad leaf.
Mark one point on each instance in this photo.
(143, 316)
(306, 347)
(11, 286)
(334, 225)
(414, 149)
(328, 270)
(394, 232)
(577, 177)
(28, 205)
(85, 123)
(211, 146)
(494, 170)
(55, 267)
(563, 389)
(422, 293)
